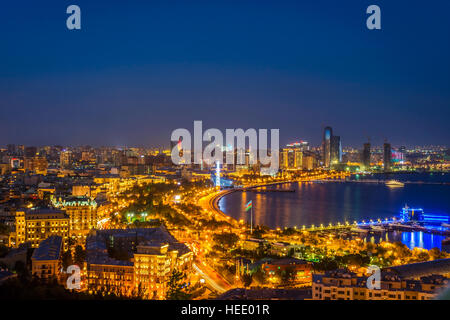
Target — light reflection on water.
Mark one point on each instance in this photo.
(410, 239)
(322, 203)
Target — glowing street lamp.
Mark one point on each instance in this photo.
(129, 215)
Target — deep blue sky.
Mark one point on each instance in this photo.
(139, 69)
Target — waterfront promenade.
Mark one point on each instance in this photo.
(211, 204)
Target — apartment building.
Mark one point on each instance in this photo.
(345, 285)
(46, 259)
(134, 261)
(36, 225)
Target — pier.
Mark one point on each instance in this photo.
(378, 226)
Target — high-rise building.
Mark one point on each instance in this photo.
(65, 159)
(387, 156)
(30, 152)
(291, 158)
(11, 149)
(366, 155)
(87, 156)
(82, 213)
(335, 150)
(15, 163)
(20, 150)
(308, 161)
(402, 154)
(35, 164)
(36, 225)
(326, 146)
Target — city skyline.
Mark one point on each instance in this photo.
(290, 142)
(132, 75)
(250, 151)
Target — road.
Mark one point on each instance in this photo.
(212, 279)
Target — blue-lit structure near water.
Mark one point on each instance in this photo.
(418, 215)
(218, 180)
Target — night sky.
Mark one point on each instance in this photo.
(139, 69)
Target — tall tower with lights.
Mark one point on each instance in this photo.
(218, 174)
(326, 146)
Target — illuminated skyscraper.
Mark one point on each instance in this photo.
(308, 161)
(402, 154)
(326, 146)
(65, 159)
(366, 155)
(217, 174)
(20, 150)
(291, 158)
(336, 150)
(387, 156)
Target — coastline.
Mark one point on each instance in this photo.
(419, 202)
(215, 199)
(212, 204)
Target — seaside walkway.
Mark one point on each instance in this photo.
(211, 203)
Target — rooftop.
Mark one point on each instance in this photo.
(97, 243)
(422, 269)
(49, 249)
(334, 278)
(288, 261)
(44, 213)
